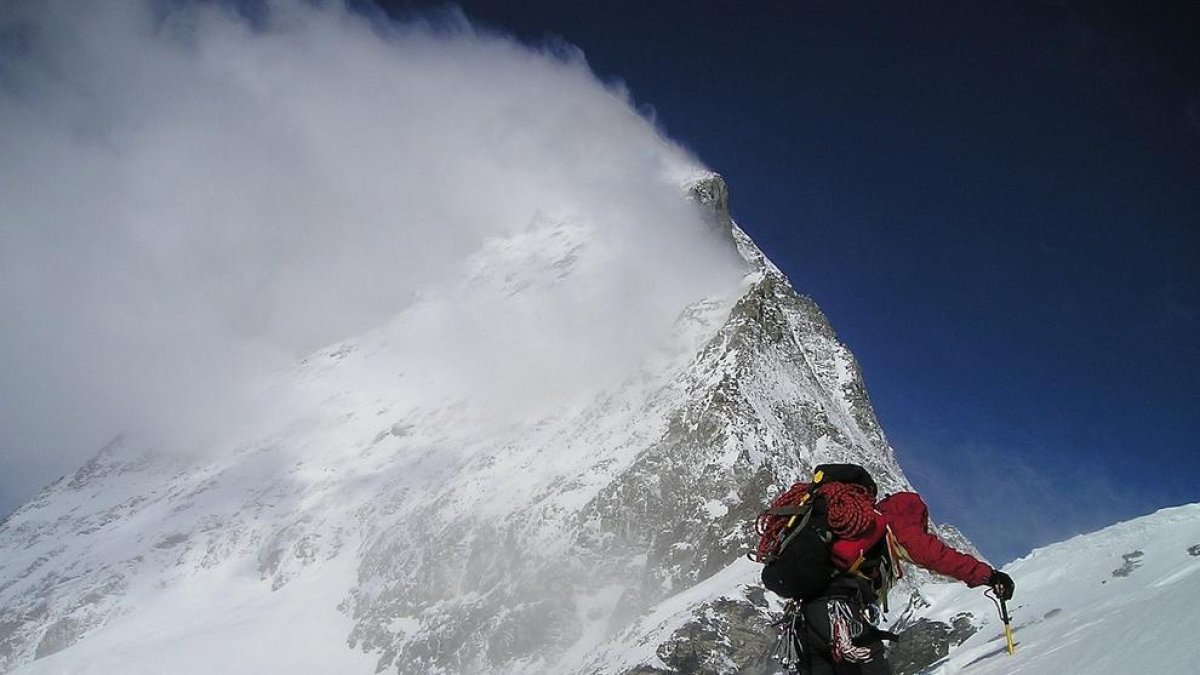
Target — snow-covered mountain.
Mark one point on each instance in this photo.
(377, 517)
(571, 381)
(380, 516)
(580, 383)
(1121, 600)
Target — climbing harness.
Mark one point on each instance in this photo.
(848, 626)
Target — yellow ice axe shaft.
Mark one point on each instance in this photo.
(1004, 618)
(1008, 634)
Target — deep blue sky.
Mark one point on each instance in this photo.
(998, 207)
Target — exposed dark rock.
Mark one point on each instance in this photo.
(8, 636)
(713, 192)
(1133, 560)
(925, 642)
(60, 635)
(728, 636)
(171, 540)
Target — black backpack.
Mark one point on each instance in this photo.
(794, 536)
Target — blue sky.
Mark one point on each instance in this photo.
(998, 208)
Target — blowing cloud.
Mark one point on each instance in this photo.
(190, 200)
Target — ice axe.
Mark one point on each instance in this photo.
(1004, 618)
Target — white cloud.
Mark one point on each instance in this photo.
(188, 201)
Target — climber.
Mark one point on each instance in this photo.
(834, 627)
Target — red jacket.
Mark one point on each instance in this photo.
(908, 517)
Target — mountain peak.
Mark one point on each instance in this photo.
(711, 190)
(529, 544)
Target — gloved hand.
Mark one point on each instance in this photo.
(1002, 585)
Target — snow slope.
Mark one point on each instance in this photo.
(1121, 600)
(224, 623)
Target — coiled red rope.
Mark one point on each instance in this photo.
(849, 513)
(770, 527)
(849, 509)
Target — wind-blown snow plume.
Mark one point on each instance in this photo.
(190, 199)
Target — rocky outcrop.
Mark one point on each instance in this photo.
(925, 642)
